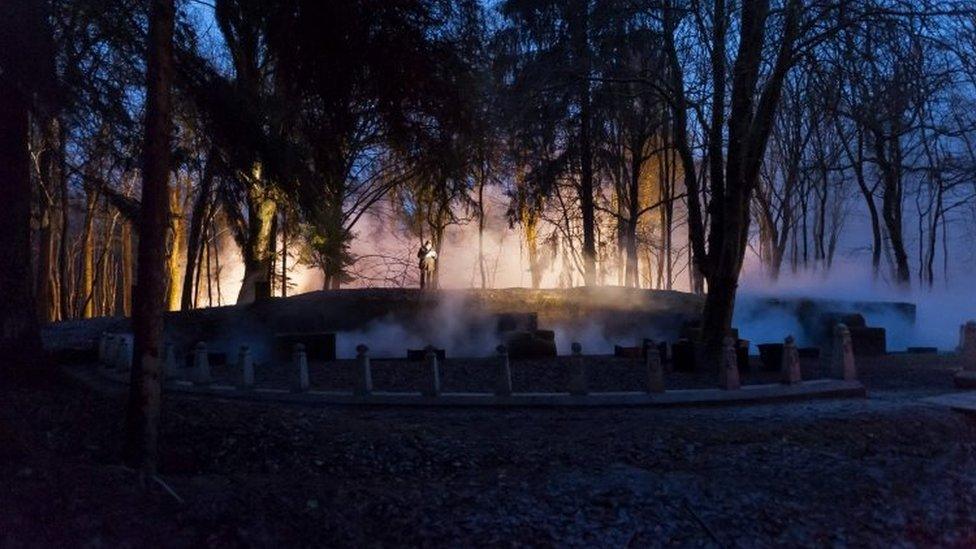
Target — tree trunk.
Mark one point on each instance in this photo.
(142, 414)
(582, 46)
(175, 249)
(481, 233)
(889, 158)
(197, 215)
(87, 290)
(125, 284)
(284, 253)
(47, 304)
(749, 126)
(530, 225)
(64, 252)
(257, 251)
(20, 344)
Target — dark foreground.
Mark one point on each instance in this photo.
(879, 471)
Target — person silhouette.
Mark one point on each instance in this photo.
(427, 259)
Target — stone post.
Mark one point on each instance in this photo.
(115, 352)
(123, 355)
(503, 376)
(300, 361)
(102, 346)
(577, 372)
(968, 345)
(201, 365)
(842, 358)
(729, 367)
(245, 362)
(169, 361)
(652, 365)
(364, 382)
(790, 367)
(433, 387)
(108, 353)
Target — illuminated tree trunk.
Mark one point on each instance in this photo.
(257, 249)
(64, 253)
(530, 225)
(87, 290)
(284, 253)
(125, 283)
(175, 250)
(142, 413)
(47, 303)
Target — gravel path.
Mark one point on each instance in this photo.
(883, 471)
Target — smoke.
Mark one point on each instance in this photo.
(452, 324)
(386, 257)
(939, 311)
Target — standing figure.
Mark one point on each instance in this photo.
(427, 259)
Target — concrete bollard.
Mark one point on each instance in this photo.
(577, 372)
(115, 352)
(790, 366)
(364, 382)
(123, 354)
(108, 351)
(169, 361)
(245, 363)
(730, 366)
(503, 376)
(433, 387)
(842, 357)
(968, 346)
(300, 361)
(102, 347)
(652, 366)
(201, 365)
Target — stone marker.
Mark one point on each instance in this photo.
(364, 382)
(577, 372)
(966, 377)
(730, 366)
(300, 361)
(107, 351)
(123, 354)
(433, 386)
(842, 357)
(968, 345)
(169, 361)
(652, 365)
(245, 362)
(790, 369)
(201, 365)
(102, 346)
(112, 353)
(503, 377)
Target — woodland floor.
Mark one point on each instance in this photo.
(882, 471)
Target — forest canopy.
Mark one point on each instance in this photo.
(657, 144)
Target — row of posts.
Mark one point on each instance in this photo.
(116, 351)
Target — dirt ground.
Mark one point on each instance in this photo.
(888, 470)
